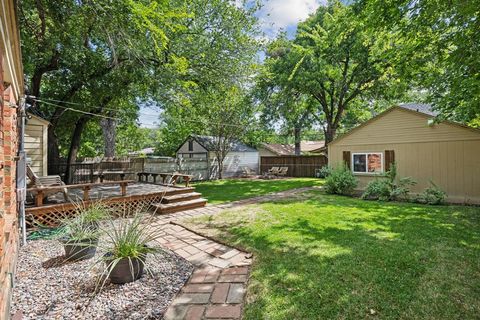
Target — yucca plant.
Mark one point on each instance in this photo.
(80, 234)
(128, 241)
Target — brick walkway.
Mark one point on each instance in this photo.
(217, 286)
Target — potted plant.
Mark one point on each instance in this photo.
(80, 234)
(129, 241)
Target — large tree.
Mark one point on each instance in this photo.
(104, 58)
(92, 56)
(439, 51)
(333, 61)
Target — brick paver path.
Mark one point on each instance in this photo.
(216, 289)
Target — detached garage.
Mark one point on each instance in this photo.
(235, 163)
(36, 133)
(446, 153)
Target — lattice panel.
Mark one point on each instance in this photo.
(50, 216)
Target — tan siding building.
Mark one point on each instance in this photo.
(36, 133)
(446, 153)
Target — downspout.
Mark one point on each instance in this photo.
(21, 172)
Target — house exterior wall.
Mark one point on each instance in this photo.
(234, 163)
(11, 89)
(197, 151)
(36, 145)
(447, 154)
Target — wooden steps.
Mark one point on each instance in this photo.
(181, 197)
(163, 208)
(173, 191)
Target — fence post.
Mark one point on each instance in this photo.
(91, 173)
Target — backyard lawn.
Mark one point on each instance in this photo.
(324, 257)
(218, 191)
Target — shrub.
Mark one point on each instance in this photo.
(432, 195)
(389, 188)
(340, 181)
(377, 189)
(324, 172)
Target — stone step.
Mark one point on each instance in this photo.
(163, 208)
(181, 197)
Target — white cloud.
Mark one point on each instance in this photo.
(281, 14)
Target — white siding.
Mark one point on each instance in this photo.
(234, 163)
(36, 145)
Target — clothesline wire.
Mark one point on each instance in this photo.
(47, 101)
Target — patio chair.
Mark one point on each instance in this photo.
(283, 171)
(274, 170)
(46, 181)
(248, 172)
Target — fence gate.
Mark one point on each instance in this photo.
(298, 166)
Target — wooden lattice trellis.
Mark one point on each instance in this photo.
(51, 215)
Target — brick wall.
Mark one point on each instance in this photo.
(8, 204)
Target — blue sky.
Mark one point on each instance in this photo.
(274, 16)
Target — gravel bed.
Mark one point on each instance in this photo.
(47, 287)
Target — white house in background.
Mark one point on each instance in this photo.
(203, 147)
(36, 143)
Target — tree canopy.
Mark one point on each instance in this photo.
(91, 65)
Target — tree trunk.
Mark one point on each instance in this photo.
(53, 153)
(109, 130)
(75, 146)
(298, 139)
(330, 132)
(220, 168)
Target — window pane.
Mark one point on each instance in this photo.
(375, 162)
(359, 163)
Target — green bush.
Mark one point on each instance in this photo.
(340, 181)
(324, 172)
(378, 189)
(432, 195)
(389, 188)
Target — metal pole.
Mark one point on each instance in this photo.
(21, 172)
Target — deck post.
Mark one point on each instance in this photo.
(39, 198)
(86, 191)
(123, 185)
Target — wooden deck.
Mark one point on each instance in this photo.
(138, 195)
(109, 191)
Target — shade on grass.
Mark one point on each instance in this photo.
(226, 190)
(328, 257)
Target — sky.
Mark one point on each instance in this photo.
(274, 16)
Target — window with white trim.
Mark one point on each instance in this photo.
(367, 162)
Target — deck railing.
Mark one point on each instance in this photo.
(95, 170)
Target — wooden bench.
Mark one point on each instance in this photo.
(41, 191)
(101, 175)
(143, 177)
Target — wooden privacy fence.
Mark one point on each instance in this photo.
(298, 166)
(96, 170)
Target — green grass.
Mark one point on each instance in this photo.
(219, 191)
(328, 257)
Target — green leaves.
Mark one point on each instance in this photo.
(436, 50)
(334, 62)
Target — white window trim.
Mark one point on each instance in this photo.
(366, 167)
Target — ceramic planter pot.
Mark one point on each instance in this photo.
(125, 270)
(80, 249)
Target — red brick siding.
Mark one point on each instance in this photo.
(8, 204)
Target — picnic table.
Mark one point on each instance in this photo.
(173, 177)
(41, 191)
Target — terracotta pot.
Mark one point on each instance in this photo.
(80, 249)
(126, 269)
